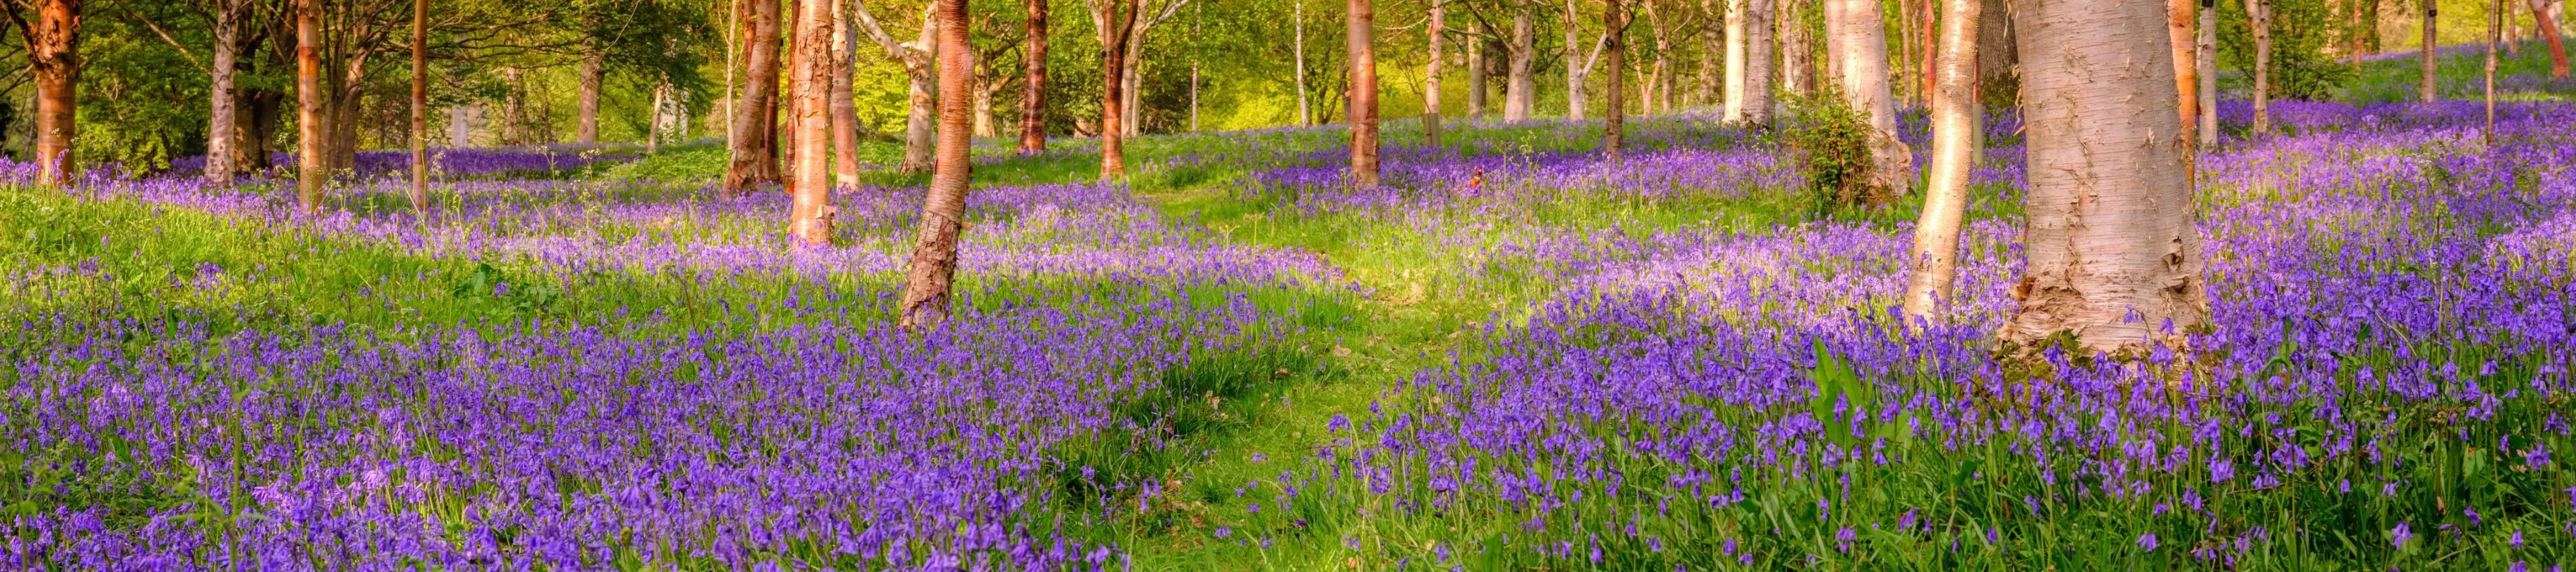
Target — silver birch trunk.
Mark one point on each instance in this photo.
(1857, 40)
(2109, 230)
(586, 126)
(1958, 136)
(2425, 57)
(1520, 88)
(1431, 75)
(2260, 14)
(1305, 107)
(221, 122)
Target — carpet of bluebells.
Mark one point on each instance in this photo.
(1675, 363)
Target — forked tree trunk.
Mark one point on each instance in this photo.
(928, 277)
(1431, 75)
(2178, 31)
(1858, 42)
(2259, 13)
(1578, 66)
(921, 89)
(845, 110)
(2425, 58)
(810, 217)
(220, 124)
(420, 108)
(1361, 35)
(1614, 119)
(754, 158)
(311, 120)
(1958, 136)
(586, 126)
(1520, 87)
(2206, 57)
(1033, 92)
(1113, 157)
(53, 53)
(1748, 62)
(2109, 224)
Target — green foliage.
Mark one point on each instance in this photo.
(1833, 140)
(2301, 32)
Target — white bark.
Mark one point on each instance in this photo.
(1520, 88)
(2109, 210)
(1748, 62)
(1958, 134)
(920, 67)
(1857, 42)
(1305, 107)
(2207, 72)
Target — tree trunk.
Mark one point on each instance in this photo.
(2206, 65)
(1475, 61)
(1133, 107)
(1361, 35)
(420, 108)
(221, 125)
(1033, 92)
(1659, 85)
(1305, 109)
(2109, 224)
(1858, 41)
(845, 110)
(1614, 119)
(1926, 36)
(460, 126)
(311, 121)
(660, 125)
(1431, 75)
(1122, 18)
(754, 157)
(928, 277)
(2259, 13)
(1998, 66)
(2549, 32)
(2424, 90)
(1520, 88)
(1577, 68)
(1958, 134)
(1900, 69)
(1748, 62)
(586, 126)
(1712, 57)
(2179, 18)
(1798, 74)
(53, 53)
(251, 135)
(2495, 37)
(810, 218)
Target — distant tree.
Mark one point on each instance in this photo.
(1118, 25)
(1614, 116)
(2179, 19)
(53, 53)
(919, 69)
(930, 275)
(2205, 69)
(2425, 59)
(1520, 82)
(1748, 62)
(1437, 26)
(1578, 64)
(1361, 36)
(2259, 14)
(1033, 58)
(753, 141)
(2113, 261)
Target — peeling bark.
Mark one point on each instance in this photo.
(753, 138)
(2109, 225)
(929, 276)
(1033, 92)
(810, 215)
(1360, 33)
